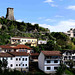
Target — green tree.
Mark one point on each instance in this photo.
(70, 63)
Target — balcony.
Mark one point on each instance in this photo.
(52, 58)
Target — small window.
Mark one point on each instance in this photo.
(22, 59)
(19, 64)
(23, 64)
(55, 68)
(11, 58)
(32, 40)
(48, 68)
(19, 59)
(6, 58)
(11, 65)
(48, 61)
(16, 64)
(16, 59)
(25, 59)
(56, 61)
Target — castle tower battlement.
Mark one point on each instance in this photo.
(10, 13)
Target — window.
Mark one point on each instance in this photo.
(11, 65)
(16, 64)
(48, 61)
(6, 58)
(16, 59)
(32, 40)
(22, 59)
(11, 58)
(19, 64)
(56, 61)
(19, 59)
(25, 59)
(55, 68)
(48, 68)
(23, 64)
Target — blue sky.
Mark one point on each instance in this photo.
(57, 15)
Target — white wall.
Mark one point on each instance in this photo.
(41, 61)
(14, 62)
(52, 62)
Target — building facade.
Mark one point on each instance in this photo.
(24, 40)
(42, 41)
(71, 32)
(16, 60)
(68, 55)
(17, 48)
(48, 61)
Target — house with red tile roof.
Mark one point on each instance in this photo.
(17, 48)
(48, 61)
(16, 60)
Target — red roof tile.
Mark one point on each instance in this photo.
(51, 53)
(15, 47)
(5, 47)
(19, 53)
(34, 54)
(21, 47)
(5, 55)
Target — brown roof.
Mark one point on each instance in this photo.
(34, 54)
(21, 47)
(51, 53)
(15, 47)
(5, 55)
(23, 37)
(5, 47)
(19, 53)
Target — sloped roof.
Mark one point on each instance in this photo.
(51, 53)
(5, 55)
(19, 53)
(15, 47)
(34, 54)
(21, 46)
(5, 47)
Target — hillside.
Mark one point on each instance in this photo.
(56, 40)
(13, 28)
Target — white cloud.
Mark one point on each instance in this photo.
(59, 16)
(50, 20)
(62, 26)
(48, 1)
(53, 5)
(19, 20)
(71, 7)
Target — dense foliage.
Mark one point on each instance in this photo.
(55, 40)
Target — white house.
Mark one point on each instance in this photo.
(16, 60)
(42, 41)
(48, 61)
(68, 55)
(71, 32)
(24, 40)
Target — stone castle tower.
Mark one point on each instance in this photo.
(10, 14)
